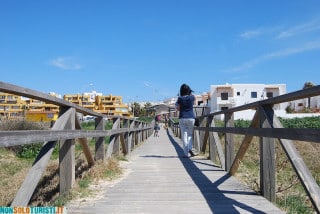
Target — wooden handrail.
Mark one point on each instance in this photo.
(65, 130)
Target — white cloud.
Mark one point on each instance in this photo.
(315, 45)
(300, 29)
(66, 63)
(250, 34)
(261, 31)
(279, 33)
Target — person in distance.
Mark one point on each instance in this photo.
(184, 105)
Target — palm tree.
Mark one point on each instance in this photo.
(305, 86)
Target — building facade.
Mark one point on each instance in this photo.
(11, 106)
(17, 107)
(109, 105)
(231, 95)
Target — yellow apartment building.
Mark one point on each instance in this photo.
(39, 111)
(17, 107)
(105, 104)
(84, 100)
(11, 106)
(111, 105)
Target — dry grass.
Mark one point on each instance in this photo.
(11, 168)
(47, 191)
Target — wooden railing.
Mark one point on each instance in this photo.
(268, 127)
(125, 135)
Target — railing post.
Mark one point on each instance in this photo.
(267, 160)
(131, 137)
(139, 133)
(116, 137)
(67, 158)
(196, 140)
(114, 147)
(127, 144)
(144, 133)
(136, 133)
(99, 145)
(216, 144)
(206, 136)
(229, 141)
(201, 136)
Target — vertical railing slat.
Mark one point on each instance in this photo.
(100, 153)
(229, 142)
(267, 159)
(67, 157)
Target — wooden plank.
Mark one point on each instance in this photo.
(123, 144)
(201, 136)
(67, 157)
(267, 157)
(301, 134)
(229, 142)
(15, 138)
(100, 153)
(126, 145)
(212, 148)
(139, 140)
(196, 140)
(111, 145)
(130, 138)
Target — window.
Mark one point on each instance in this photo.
(238, 93)
(269, 94)
(224, 96)
(224, 108)
(254, 94)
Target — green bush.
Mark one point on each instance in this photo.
(242, 123)
(29, 151)
(306, 122)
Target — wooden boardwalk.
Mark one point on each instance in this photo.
(159, 181)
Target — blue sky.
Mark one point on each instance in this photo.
(143, 50)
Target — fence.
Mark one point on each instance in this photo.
(266, 125)
(125, 134)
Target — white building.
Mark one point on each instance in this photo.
(92, 95)
(302, 104)
(232, 95)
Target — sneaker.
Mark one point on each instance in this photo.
(191, 153)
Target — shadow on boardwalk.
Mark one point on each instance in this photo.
(216, 199)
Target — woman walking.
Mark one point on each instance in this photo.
(184, 105)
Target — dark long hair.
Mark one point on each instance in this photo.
(185, 90)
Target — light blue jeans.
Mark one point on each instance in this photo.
(186, 127)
